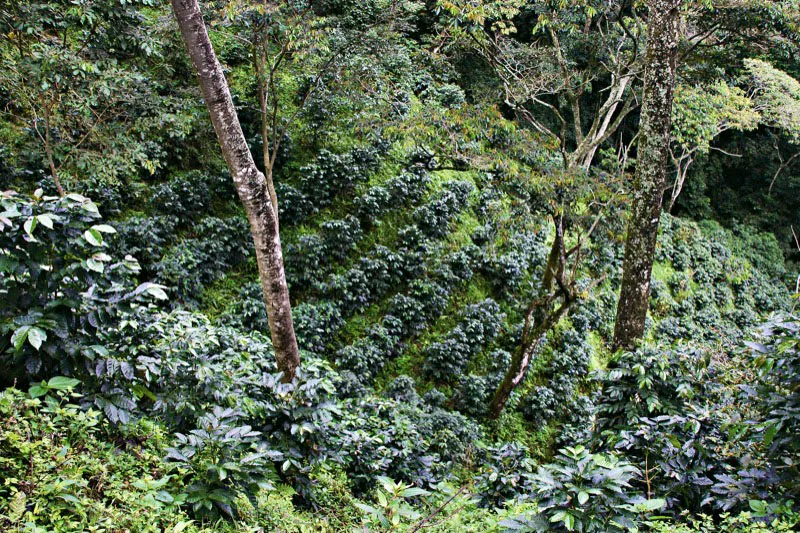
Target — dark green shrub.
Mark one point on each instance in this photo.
(401, 440)
(776, 356)
(435, 217)
(367, 356)
(335, 174)
(403, 389)
(473, 395)
(480, 323)
(582, 491)
(220, 245)
(145, 237)
(507, 474)
(340, 237)
(59, 287)
(185, 197)
(316, 325)
(305, 260)
(221, 458)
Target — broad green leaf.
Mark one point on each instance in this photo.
(46, 220)
(20, 336)
(36, 336)
(94, 265)
(770, 433)
(62, 383)
(569, 522)
(93, 237)
(16, 508)
(583, 497)
(366, 508)
(30, 225)
(654, 504)
(89, 206)
(414, 491)
(104, 228)
(157, 292)
(180, 526)
(37, 391)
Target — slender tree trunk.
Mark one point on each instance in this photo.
(539, 320)
(48, 150)
(542, 319)
(651, 170)
(269, 163)
(609, 108)
(251, 185)
(680, 179)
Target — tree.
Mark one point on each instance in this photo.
(76, 90)
(285, 38)
(250, 183)
(699, 115)
(557, 292)
(651, 170)
(572, 79)
(777, 99)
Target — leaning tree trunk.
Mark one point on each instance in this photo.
(539, 320)
(651, 170)
(250, 183)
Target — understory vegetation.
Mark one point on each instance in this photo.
(419, 209)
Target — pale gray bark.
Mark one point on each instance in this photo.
(651, 170)
(251, 184)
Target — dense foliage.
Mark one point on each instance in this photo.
(427, 157)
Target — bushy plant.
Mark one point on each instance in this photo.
(540, 405)
(584, 492)
(367, 356)
(473, 395)
(506, 266)
(425, 299)
(316, 325)
(341, 236)
(507, 474)
(219, 245)
(650, 382)
(480, 323)
(59, 287)
(247, 311)
(294, 206)
(406, 441)
(145, 237)
(403, 388)
(184, 197)
(434, 218)
(776, 356)
(221, 458)
(351, 288)
(333, 174)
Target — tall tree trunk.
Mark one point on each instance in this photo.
(651, 170)
(251, 185)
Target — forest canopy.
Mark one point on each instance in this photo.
(392, 265)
